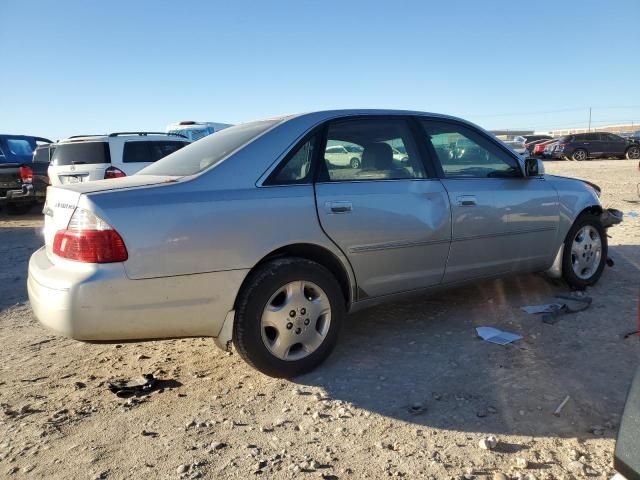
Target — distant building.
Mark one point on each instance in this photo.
(620, 128)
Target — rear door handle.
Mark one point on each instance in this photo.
(467, 201)
(339, 207)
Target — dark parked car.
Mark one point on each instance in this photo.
(17, 191)
(582, 146)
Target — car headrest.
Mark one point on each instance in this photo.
(377, 156)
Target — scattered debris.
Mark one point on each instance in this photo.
(417, 408)
(551, 311)
(488, 443)
(129, 388)
(557, 411)
(494, 335)
(545, 308)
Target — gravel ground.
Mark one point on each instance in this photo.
(410, 391)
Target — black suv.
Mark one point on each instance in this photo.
(581, 146)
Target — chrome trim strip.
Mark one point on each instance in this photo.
(392, 245)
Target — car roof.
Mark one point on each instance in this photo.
(140, 136)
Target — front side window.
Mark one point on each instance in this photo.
(465, 153)
(370, 149)
(296, 168)
(205, 153)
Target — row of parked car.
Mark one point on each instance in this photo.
(583, 146)
(29, 164)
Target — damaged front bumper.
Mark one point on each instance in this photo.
(610, 217)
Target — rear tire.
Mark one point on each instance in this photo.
(585, 252)
(579, 155)
(270, 313)
(633, 153)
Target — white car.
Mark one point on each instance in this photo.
(96, 157)
(196, 130)
(343, 155)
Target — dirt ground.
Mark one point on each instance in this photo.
(409, 391)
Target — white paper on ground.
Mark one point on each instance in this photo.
(494, 335)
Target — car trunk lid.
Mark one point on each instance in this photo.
(62, 201)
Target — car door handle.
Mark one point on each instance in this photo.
(467, 201)
(339, 207)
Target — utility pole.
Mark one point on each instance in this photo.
(589, 119)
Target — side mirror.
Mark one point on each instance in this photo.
(533, 167)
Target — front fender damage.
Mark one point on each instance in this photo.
(609, 217)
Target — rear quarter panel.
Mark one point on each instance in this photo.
(187, 228)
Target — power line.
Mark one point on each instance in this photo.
(544, 112)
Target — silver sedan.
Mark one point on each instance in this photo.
(253, 237)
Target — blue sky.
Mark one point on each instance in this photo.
(74, 67)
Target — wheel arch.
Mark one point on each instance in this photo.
(315, 253)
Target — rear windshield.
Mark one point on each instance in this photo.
(80, 153)
(209, 151)
(149, 151)
(41, 155)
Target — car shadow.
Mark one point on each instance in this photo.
(421, 361)
(17, 243)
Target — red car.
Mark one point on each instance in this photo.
(538, 149)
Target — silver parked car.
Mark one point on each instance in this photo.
(252, 237)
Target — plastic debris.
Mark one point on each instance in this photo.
(129, 388)
(561, 406)
(494, 335)
(552, 311)
(545, 308)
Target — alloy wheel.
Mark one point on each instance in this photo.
(579, 155)
(295, 320)
(586, 252)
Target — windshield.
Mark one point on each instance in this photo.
(209, 151)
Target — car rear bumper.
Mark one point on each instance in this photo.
(25, 195)
(94, 302)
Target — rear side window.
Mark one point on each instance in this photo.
(19, 147)
(81, 153)
(296, 168)
(150, 151)
(41, 155)
(209, 151)
(370, 149)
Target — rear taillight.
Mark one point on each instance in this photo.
(89, 239)
(26, 174)
(113, 172)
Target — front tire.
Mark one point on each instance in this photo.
(288, 316)
(579, 155)
(585, 252)
(633, 152)
(355, 162)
